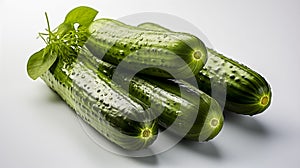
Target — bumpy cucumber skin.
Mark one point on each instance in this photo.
(164, 95)
(245, 88)
(107, 110)
(161, 53)
(208, 108)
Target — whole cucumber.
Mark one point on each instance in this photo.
(108, 110)
(156, 53)
(247, 91)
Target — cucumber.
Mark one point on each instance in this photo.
(185, 110)
(209, 118)
(108, 110)
(248, 92)
(162, 54)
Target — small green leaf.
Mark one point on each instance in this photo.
(63, 29)
(40, 62)
(83, 15)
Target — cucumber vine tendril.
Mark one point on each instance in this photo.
(64, 42)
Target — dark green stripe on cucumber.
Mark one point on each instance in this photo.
(247, 91)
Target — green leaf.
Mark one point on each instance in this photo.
(63, 29)
(40, 62)
(83, 15)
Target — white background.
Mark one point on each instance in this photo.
(38, 130)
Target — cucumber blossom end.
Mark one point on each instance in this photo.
(146, 133)
(197, 55)
(264, 100)
(214, 122)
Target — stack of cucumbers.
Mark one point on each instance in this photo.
(132, 82)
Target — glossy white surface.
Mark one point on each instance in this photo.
(39, 130)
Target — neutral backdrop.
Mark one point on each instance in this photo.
(39, 130)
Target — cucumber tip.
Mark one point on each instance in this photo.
(264, 100)
(146, 133)
(197, 55)
(214, 122)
